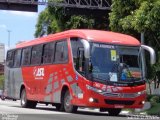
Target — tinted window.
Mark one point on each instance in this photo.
(26, 56)
(61, 52)
(10, 57)
(130, 60)
(17, 58)
(78, 54)
(48, 53)
(36, 55)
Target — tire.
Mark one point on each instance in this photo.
(26, 103)
(114, 111)
(103, 109)
(68, 107)
(2, 98)
(59, 107)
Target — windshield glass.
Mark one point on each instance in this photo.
(115, 63)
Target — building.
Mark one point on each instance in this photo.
(2, 53)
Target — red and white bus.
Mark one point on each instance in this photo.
(88, 68)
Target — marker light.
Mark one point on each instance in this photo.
(91, 99)
(143, 102)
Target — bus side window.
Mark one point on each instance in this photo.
(10, 57)
(48, 53)
(17, 58)
(26, 54)
(36, 55)
(61, 52)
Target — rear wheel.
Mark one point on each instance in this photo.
(2, 98)
(68, 107)
(103, 109)
(114, 111)
(59, 107)
(26, 103)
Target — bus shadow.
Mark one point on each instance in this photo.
(79, 112)
(96, 113)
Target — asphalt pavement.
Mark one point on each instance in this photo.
(11, 110)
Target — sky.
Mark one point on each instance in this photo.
(21, 24)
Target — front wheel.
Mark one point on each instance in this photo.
(68, 107)
(26, 103)
(114, 111)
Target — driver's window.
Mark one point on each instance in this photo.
(78, 55)
(80, 60)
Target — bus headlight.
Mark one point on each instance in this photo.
(141, 92)
(94, 89)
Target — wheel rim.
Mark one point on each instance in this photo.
(23, 98)
(67, 101)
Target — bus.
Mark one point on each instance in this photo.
(78, 68)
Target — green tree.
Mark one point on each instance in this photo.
(56, 19)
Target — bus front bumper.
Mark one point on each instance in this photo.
(100, 101)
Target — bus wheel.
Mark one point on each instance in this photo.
(113, 111)
(26, 103)
(68, 107)
(103, 109)
(59, 107)
(2, 98)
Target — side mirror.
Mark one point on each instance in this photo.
(152, 53)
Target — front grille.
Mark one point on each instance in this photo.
(119, 95)
(129, 95)
(119, 102)
(110, 94)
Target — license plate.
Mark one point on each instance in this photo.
(119, 106)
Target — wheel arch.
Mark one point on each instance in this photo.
(22, 87)
(65, 87)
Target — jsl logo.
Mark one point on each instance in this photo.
(38, 72)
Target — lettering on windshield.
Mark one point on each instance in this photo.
(103, 46)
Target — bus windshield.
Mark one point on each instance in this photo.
(115, 63)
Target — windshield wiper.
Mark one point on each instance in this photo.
(99, 78)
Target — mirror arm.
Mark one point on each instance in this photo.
(152, 53)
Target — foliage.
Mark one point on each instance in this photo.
(1, 81)
(136, 16)
(155, 110)
(149, 97)
(56, 19)
(155, 105)
(154, 100)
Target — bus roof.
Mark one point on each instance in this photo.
(90, 35)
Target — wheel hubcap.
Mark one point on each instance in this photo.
(67, 101)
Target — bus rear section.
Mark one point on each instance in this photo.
(74, 71)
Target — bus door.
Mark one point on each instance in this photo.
(81, 61)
